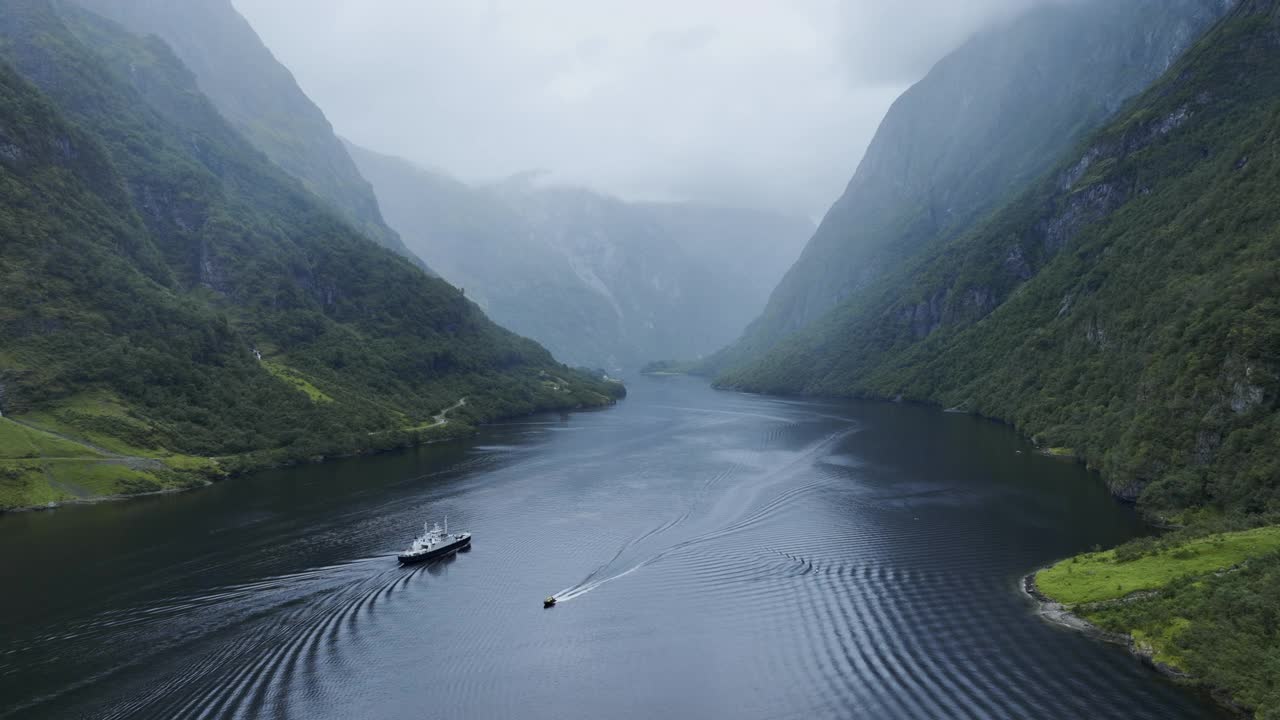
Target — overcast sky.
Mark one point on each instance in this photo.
(738, 102)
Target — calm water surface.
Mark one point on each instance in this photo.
(718, 555)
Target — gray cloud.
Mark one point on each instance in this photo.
(895, 43)
(741, 102)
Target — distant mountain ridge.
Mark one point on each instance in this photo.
(261, 99)
(599, 281)
(988, 118)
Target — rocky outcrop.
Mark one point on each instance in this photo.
(1120, 305)
(1016, 265)
(1245, 391)
(1064, 616)
(944, 156)
(1076, 205)
(1082, 208)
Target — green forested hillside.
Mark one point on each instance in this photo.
(260, 98)
(148, 249)
(989, 118)
(1124, 308)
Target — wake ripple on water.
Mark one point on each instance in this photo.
(297, 621)
(747, 514)
(795, 575)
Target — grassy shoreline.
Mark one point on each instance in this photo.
(1204, 610)
(47, 462)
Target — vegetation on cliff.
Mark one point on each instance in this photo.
(150, 254)
(1124, 306)
(988, 119)
(1207, 606)
(260, 98)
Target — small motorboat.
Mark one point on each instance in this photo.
(549, 602)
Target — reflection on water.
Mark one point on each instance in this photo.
(714, 554)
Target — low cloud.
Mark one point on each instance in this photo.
(740, 102)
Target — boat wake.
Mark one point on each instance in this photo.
(301, 621)
(745, 520)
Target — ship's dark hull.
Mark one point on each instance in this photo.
(438, 552)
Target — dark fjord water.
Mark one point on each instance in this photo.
(720, 556)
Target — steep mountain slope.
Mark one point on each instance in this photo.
(260, 97)
(749, 250)
(1125, 306)
(148, 250)
(989, 117)
(600, 282)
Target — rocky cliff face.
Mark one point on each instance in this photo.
(1124, 306)
(261, 99)
(989, 118)
(599, 281)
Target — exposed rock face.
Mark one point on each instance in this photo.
(1095, 333)
(925, 316)
(1244, 380)
(989, 118)
(1123, 305)
(210, 273)
(1016, 265)
(1080, 202)
(1081, 209)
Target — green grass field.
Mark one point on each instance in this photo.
(1210, 611)
(1100, 576)
(18, 442)
(65, 454)
(295, 380)
(99, 419)
(91, 479)
(25, 485)
(102, 421)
